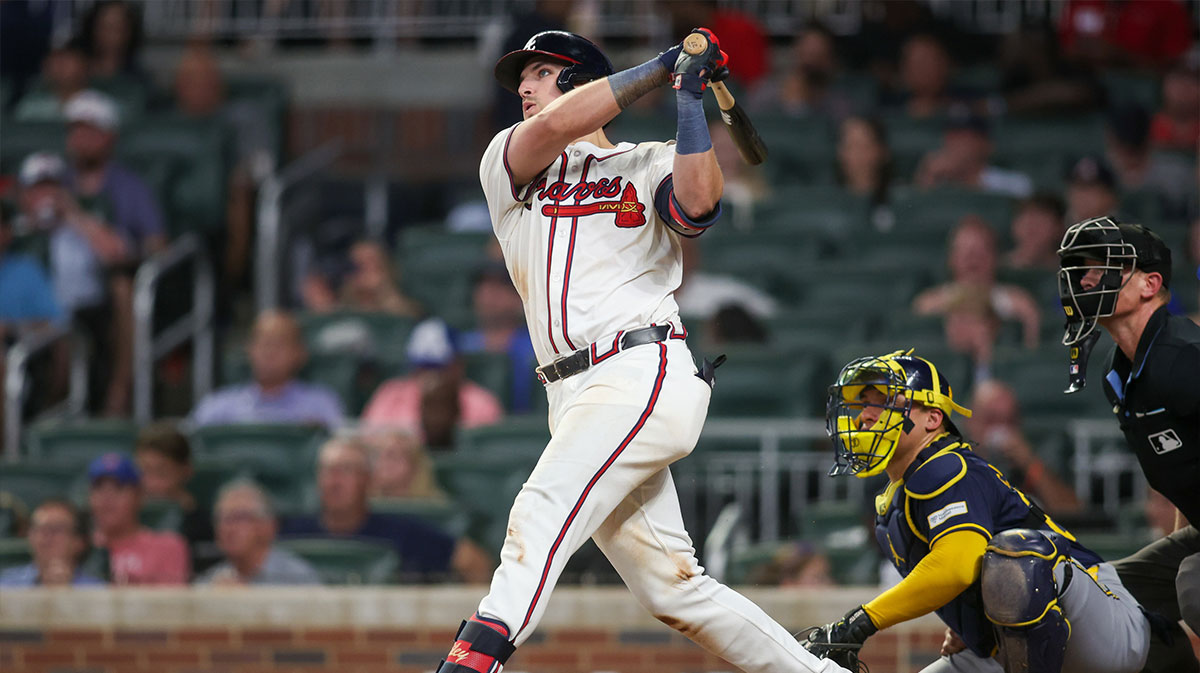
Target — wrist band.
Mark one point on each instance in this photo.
(691, 135)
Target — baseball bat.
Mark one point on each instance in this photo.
(750, 145)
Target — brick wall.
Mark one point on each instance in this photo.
(377, 631)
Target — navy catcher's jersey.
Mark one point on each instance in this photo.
(949, 488)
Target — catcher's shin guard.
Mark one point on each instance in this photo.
(481, 646)
(1020, 598)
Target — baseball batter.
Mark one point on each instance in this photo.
(590, 233)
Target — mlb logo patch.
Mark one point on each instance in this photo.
(1074, 370)
(1165, 441)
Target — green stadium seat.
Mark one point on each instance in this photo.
(929, 216)
(636, 126)
(24, 138)
(485, 484)
(1039, 378)
(909, 140)
(1112, 546)
(34, 482)
(493, 371)
(1125, 87)
(208, 477)
(802, 149)
(130, 94)
(76, 443)
(829, 212)
(14, 515)
(267, 447)
(1016, 139)
(448, 516)
(270, 96)
(744, 563)
(523, 436)
(14, 552)
(196, 201)
(347, 561)
(819, 520)
(762, 382)
(904, 325)
(854, 566)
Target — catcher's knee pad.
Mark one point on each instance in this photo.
(1020, 598)
(481, 646)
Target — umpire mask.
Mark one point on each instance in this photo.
(1093, 250)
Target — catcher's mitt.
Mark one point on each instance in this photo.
(816, 641)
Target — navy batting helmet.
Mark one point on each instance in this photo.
(584, 61)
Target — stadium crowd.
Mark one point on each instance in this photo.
(917, 180)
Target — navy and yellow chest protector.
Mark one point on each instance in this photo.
(949, 488)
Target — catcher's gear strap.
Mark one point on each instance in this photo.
(951, 566)
(478, 648)
(672, 213)
(944, 469)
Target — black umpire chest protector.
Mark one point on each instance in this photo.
(1156, 399)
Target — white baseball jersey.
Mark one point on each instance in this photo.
(583, 243)
(591, 257)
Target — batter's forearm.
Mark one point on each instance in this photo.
(697, 176)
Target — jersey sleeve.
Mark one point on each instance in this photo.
(499, 188)
(944, 496)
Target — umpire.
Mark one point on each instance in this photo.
(1118, 276)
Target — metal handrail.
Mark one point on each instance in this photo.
(17, 364)
(270, 219)
(196, 325)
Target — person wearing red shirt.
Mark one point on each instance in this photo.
(136, 554)
(1176, 126)
(1147, 33)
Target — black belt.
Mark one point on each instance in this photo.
(581, 360)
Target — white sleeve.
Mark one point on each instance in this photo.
(497, 180)
(660, 166)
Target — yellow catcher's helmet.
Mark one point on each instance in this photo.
(904, 380)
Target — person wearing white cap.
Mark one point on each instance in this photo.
(102, 184)
(125, 201)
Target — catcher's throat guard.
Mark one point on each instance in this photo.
(902, 379)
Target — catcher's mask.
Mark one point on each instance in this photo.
(904, 380)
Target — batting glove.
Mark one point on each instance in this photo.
(694, 71)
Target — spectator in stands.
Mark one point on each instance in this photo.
(401, 467)
(973, 302)
(28, 298)
(440, 410)
(963, 160)
(136, 554)
(794, 564)
(200, 94)
(57, 542)
(64, 74)
(343, 482)
(864, 165)
(1170, 178)
(102, 185)
(996, 429)
(500, 328)
(1036, 80)
(924, 78)
(1116, 33)
(806, 88)
(82, 248)
(246, 531)
(164, 457)
(1176, 126)
(1036, 231)
(112, 37)
(701, 293)
(369, 284)
(276, 351)
(1091, 190)
(433, 356)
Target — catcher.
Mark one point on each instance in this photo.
(1016, 590)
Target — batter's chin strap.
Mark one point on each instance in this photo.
(478, 648)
